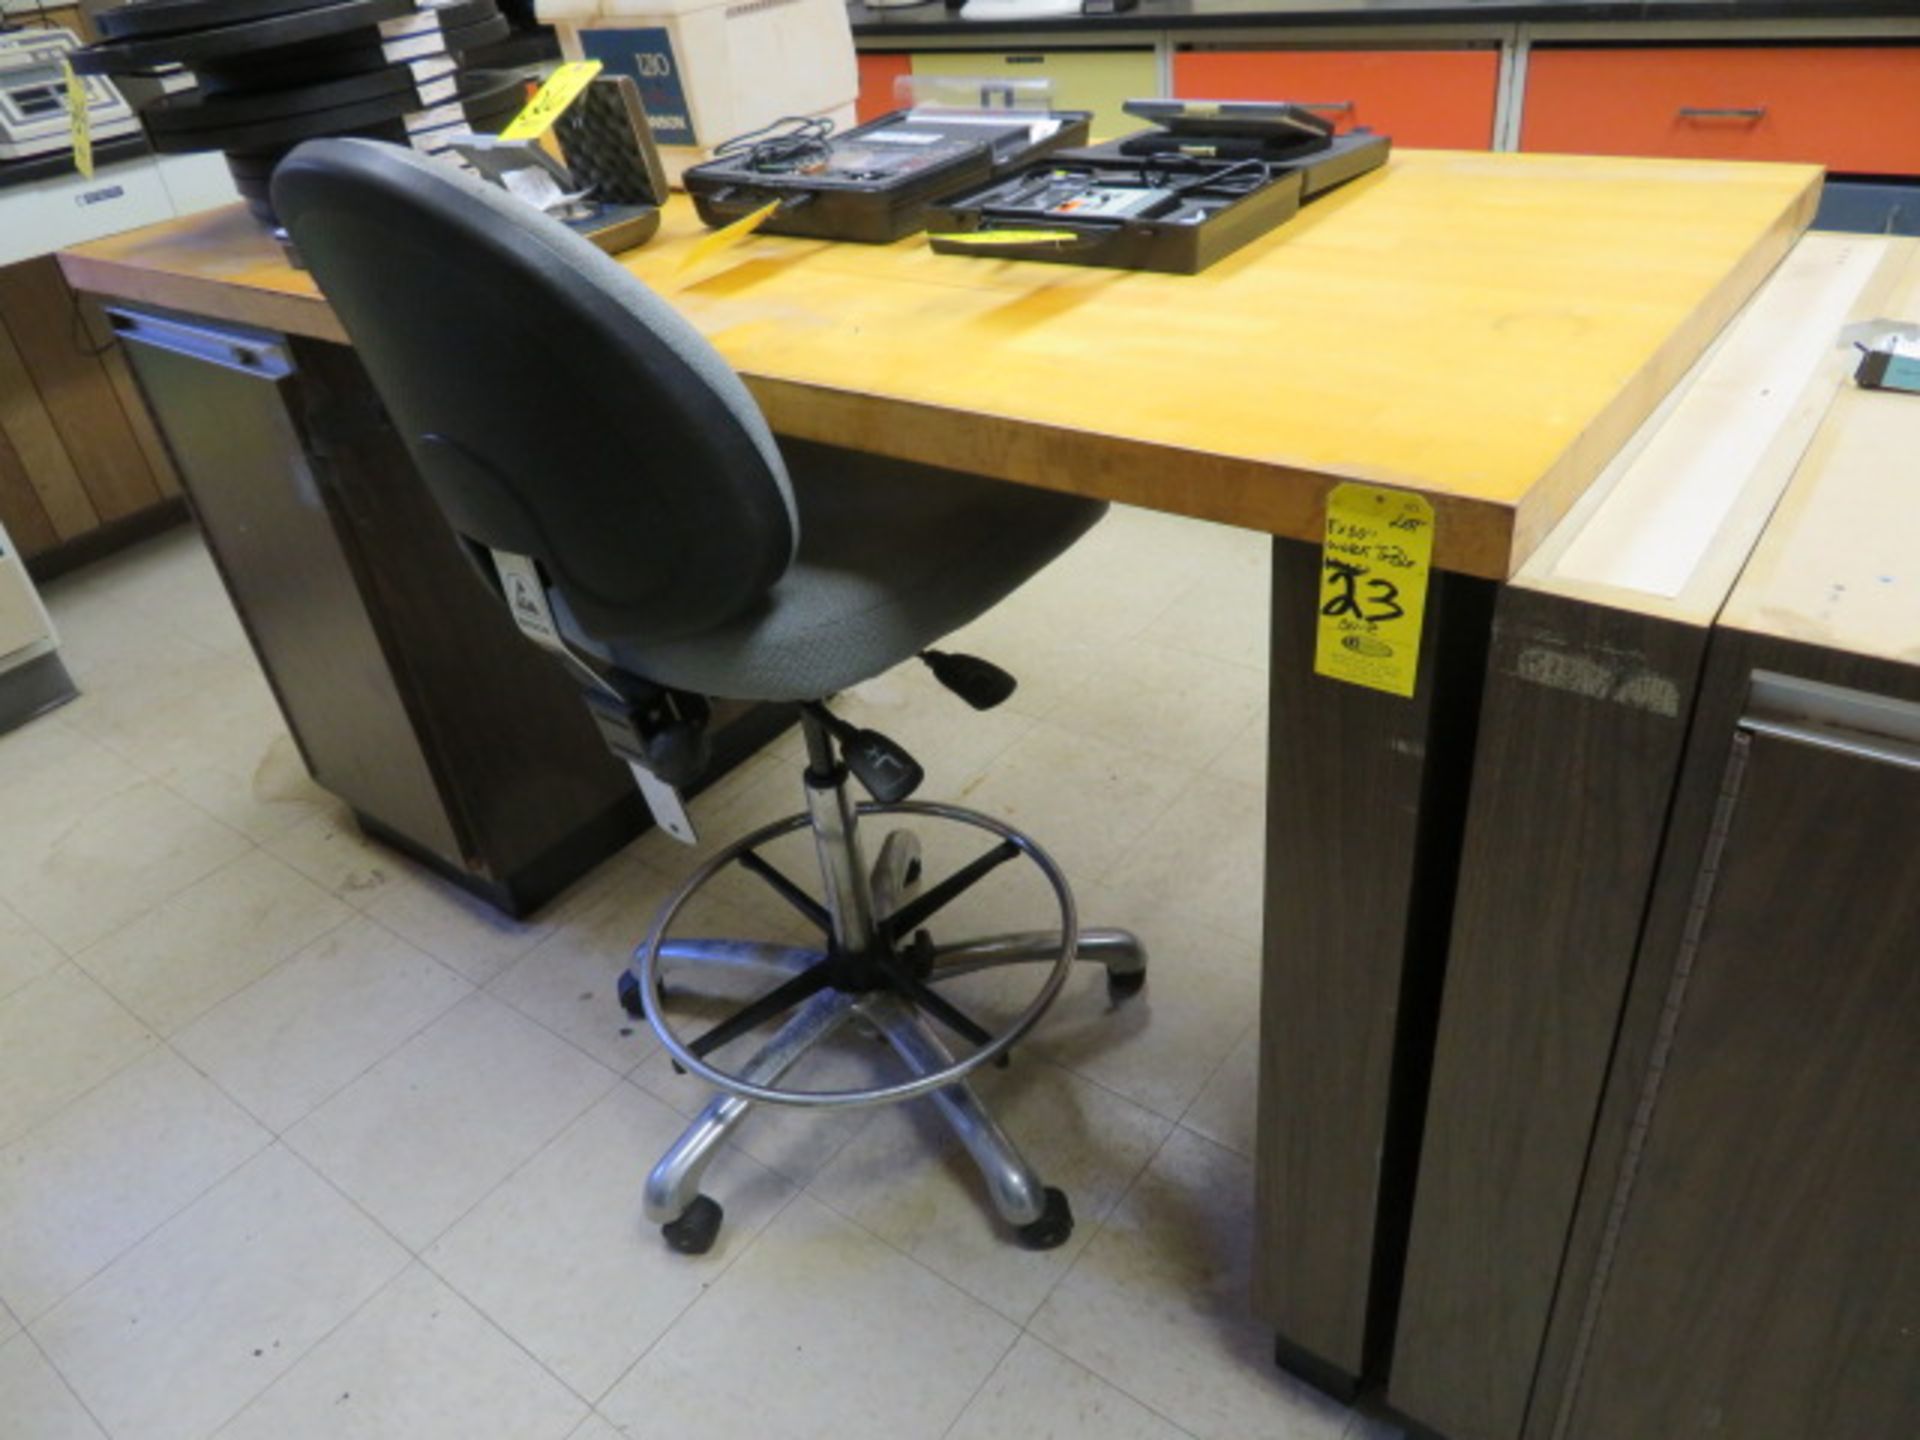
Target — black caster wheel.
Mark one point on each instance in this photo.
(697, 1228)
(1053, 1227)
(630, 996)
(1125, 984)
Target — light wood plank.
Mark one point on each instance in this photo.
(1837, 567)
(52, 340)
(133, 405)
(1488, 329)
(21, 512)
(30, 430)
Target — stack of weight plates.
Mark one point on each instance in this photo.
(271, 73)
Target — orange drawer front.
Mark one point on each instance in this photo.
(1851, 108)
(1440, 99)
(878, 71)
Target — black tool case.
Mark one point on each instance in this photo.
(873, 183)
(1170, 212)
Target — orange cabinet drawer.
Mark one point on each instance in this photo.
(878, 71)
(1441, 99)
(1848, 108)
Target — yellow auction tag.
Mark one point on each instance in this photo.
(79, 121)
(551, 100)
(731, 234)
(1373, 587)
(1011, 237)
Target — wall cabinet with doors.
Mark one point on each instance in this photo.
(1435, 99)
(1669, 1143)
(1082, 79)
(1828, 89)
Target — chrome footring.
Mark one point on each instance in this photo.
(852, 905)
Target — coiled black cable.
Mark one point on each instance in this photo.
(790, 144)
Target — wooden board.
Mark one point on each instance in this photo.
(45, 465)
(1363, 831)
(21, 513)
(1597, 655)
(1853, 485)
(1488, 329)
(78, 451)
(1837, 567)
(133, 405)
(51, 335)
(1760, 1267)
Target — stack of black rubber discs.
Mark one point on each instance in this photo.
(271, 73)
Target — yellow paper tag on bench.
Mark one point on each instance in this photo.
(551, 100)
(1373, 587)
(729, 235)
(79, 121)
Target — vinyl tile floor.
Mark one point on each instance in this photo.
(297, 1141)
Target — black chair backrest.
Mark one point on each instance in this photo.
(556, 407)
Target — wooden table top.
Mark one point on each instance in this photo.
(1838, 566)
(1487, 329)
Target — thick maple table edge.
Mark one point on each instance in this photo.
(1481, 537)
(1548, 502)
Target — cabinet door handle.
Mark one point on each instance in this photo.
(1344, 106)
(1723, 112)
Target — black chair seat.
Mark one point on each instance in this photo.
(892, 557)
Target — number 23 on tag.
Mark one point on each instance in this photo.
(1373, 587)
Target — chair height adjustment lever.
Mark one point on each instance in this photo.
(980, 683)
(887, 771)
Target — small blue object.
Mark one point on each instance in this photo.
(1888, 370)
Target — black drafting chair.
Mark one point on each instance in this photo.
(603, 463)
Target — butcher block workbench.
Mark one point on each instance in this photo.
(1487, 330)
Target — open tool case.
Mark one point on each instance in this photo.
(1210, 178)
(872, 183)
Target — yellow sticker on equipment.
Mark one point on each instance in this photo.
(1373, 587)
(551, 100)
(79, 121)
(1011, 237)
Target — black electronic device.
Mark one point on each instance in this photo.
(1272, 121)
(430, 49)
(485, 103)
(269, 74)
(1177, 213)
(136, 53)
(146, 18)
(872, 183)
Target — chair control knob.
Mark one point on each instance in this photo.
(980, 683)
(679, 753)
(889, 773)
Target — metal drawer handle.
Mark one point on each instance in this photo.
(1342, 105)
(1718, 112)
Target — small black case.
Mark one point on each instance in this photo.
(1173, 213)
(873, 184)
